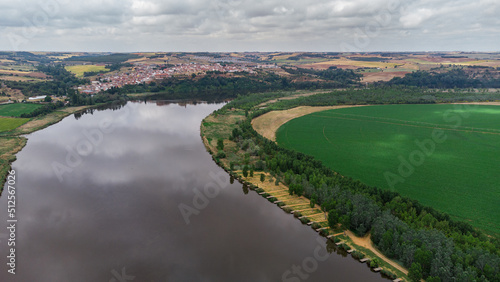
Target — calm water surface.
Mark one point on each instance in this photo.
(98, 200)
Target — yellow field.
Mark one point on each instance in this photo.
(78, 70)
(62, 57)
(468, 63)
(285, 57)
(14, 72)
(141, 59)
(21, 78)
(359, 64)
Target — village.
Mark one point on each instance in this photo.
(145, 73)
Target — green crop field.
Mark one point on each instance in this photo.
(17, 109)
(7, 124)
(445, 156)
(79, 70)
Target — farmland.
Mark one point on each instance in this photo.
(455, 171)
(7, 124)
(79, 70)
(17, 109)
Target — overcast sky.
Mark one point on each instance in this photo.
(250, 25)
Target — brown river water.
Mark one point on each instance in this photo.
(130, 194)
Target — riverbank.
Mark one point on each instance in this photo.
(235, 161)
(13, 141)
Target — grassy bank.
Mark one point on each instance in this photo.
(8, 150)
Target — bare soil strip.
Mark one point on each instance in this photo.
(359, 241)
(366, 242)
(267, 124)
(479, 103)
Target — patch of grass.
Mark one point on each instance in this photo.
(9, 146)
(37, 123)
(17, 109)
(79, 70)
(460, 176)
(8, 124)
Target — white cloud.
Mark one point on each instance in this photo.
(416, 18)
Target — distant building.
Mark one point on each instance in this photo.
(37, 98)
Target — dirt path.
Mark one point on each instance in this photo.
(366, 242)
(267, 124)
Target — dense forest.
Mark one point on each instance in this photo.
(108, 59)
(213, 86)
(426, 241)
(456, 78)
(346, 77)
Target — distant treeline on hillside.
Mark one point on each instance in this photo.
(215, 86)
(109, 59)
(456, 78)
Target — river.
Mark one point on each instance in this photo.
(130, 194)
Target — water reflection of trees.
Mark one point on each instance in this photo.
(156, 99)
(114, 106)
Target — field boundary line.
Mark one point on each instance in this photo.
(412, 125)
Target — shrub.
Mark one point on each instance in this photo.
(374, 263)
(259, 190)
(324, 232)
(357, 255)
(297, 214)
(220, 144)
(304, 220)
(221, 155)
(316, 225)
(259, 165)
(388, 274)
(287, 209)
(272, 199)
(345, 247)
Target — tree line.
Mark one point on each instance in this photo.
(213, 86)
(45, 109)
(455, 78)
(384, 95)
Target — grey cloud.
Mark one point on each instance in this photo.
(259, 24)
